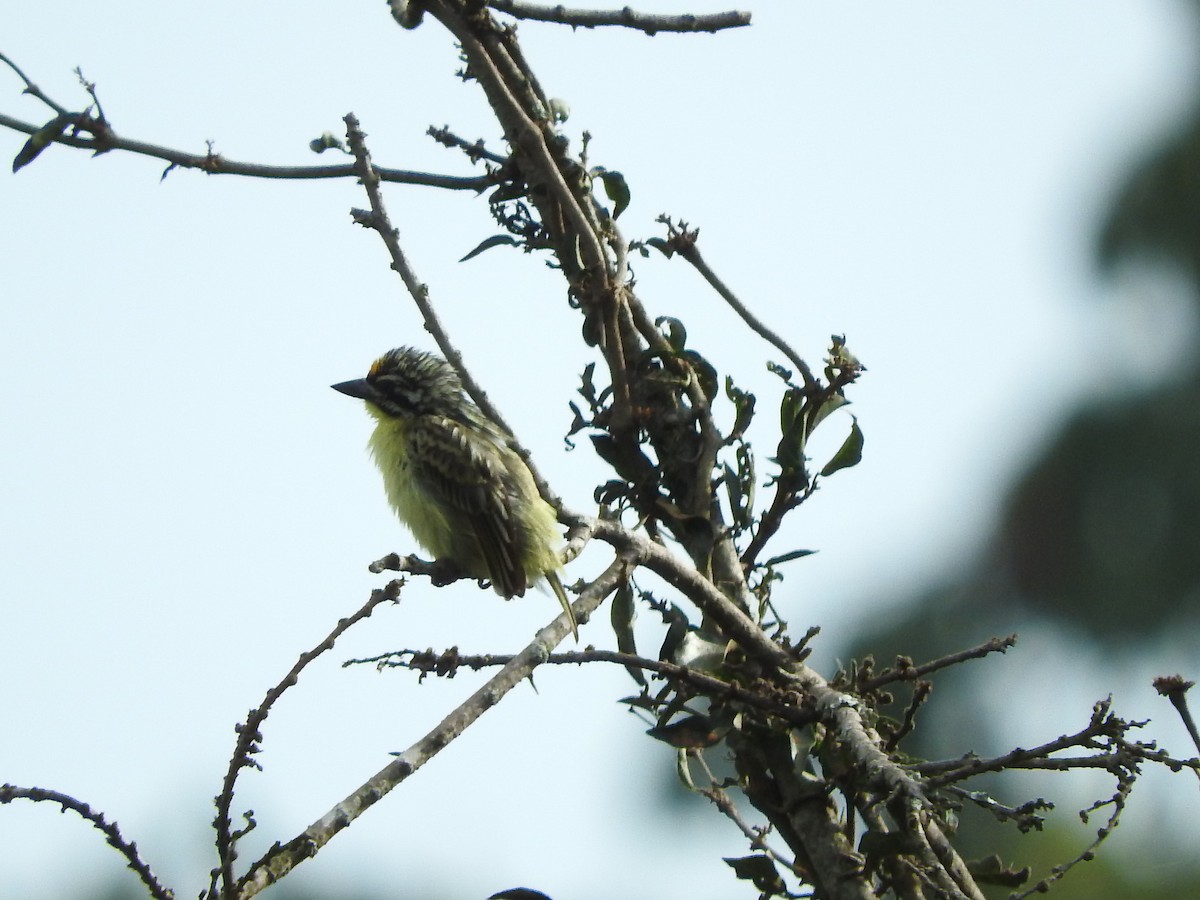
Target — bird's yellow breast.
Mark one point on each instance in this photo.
(466, 497)
(422, 514)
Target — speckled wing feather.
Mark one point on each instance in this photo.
(456, 466)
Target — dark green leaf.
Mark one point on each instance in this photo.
(743, 404)
(790, 455)
(327, 141)
(737, 500)
(760, 870)
(662, 246)
(504, 193)
(677, 632)
(692, 733)
(39, 141)
(705, 373)
(616, 189)
(588, 387)
(788, 557)
(849, 454)
(991, 870)
(623, 614)
(611, 492)
(836, 402)
(496, 240)
(520, 894)
(579, 422)
(675, 333)
(776, 369)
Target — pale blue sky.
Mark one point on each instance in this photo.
(185, 506)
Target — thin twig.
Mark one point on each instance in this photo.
(32, 89)
(913, 673)
(281, 859)
(921, 692)
(128, 849)
(684, 243)
(1124, 786)
(377, 219)
(475, 151)
(626, 17)
(215, 164)
(1101, 725)
(446, 664)
(757, 836)
(250, 737)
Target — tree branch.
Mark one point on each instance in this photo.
(446, 664)
(281, 859)
(215, 164)
(250, 736)
(909, 672)
(626, 17)
(128, 849)
(683, 242)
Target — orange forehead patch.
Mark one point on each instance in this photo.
(375, 367)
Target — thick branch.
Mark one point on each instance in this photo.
(522, 130)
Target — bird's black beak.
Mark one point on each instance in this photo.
(359, 387)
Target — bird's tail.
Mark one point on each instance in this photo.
(557, 586)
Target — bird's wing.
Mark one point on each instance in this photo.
(461, 469)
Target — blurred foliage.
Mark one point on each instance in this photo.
(1100, 535)
(1101, 531)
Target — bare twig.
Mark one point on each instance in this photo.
(250, 736)
(948, 858)
(757, 836)
(128, 849)
(281, 859)
(1103, 726)
(442, 572)
(475, 150)
(378, 220)
(909, 672)
(683, 242)
(626, 17)
(921, 692)
(1117, 800)
(32, 89)
(215, 164)
(1024, 815)
(488, 65)
(447, 664)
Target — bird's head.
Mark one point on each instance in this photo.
(407, 382)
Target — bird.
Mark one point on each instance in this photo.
(450, 475)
